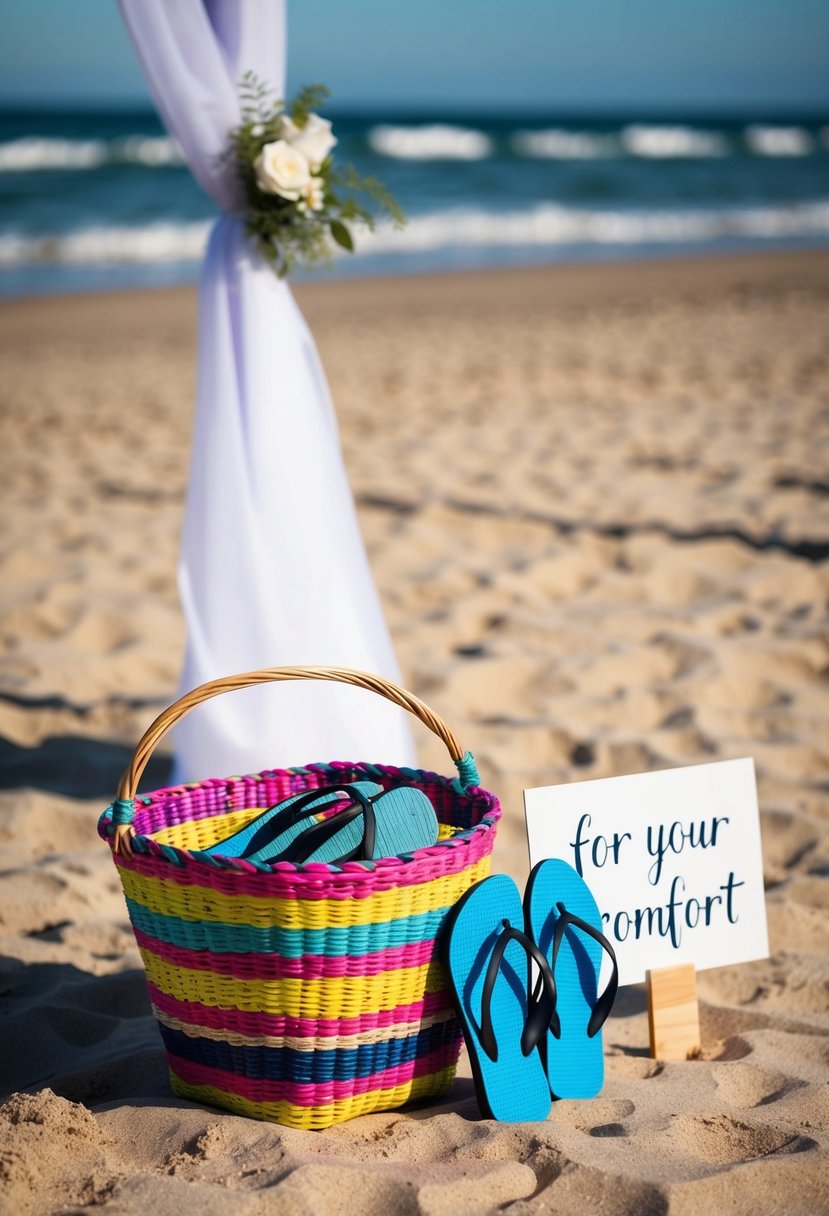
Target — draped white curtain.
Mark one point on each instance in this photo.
(273, 570)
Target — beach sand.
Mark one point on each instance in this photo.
(597, 508)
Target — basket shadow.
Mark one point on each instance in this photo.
(89, 1038)
(92, 1039)
(460, 1100)
(75, 766)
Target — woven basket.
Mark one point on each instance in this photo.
(302, 994)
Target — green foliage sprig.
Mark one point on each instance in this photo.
(299, 205)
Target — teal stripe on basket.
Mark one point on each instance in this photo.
(291, 943)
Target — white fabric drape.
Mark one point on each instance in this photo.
(273, 570)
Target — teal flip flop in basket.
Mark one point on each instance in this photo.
(357, 821)
(302, 993)
(275, 829)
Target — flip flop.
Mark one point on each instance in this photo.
(274, 827)
(487, 955)
(384, 824)
(565, 923)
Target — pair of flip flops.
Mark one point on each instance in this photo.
(356, 821)
(528, 1044)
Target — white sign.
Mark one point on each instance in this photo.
(673, 860)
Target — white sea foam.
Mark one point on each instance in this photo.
(778, 141)
(672, 142)
(547, 225)
(150, 150)
(550, 226)
(35, 152)
(558, 144)
(39, 153)
(100, 246)
(436, 141)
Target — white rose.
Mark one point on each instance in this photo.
(283, 170)
(314, 140)
(316, 194)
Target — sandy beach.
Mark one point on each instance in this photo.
(596, 503)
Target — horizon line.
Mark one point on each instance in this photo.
(605, 109)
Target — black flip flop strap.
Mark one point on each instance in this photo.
(301, 848)
(547, 980)
(540, 1007)
(302, 807)
(364, 851)
(604, 1004)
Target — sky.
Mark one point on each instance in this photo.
(445, 55)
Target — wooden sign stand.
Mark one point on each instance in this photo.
(673, 1013)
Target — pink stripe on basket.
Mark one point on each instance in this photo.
(276, 967)
(304, 1094)
(276, 1025)
(216, 795)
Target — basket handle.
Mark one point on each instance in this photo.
(124, 805)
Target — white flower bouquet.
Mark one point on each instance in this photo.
(298, 203)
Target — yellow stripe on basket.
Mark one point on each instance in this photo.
(309, 1118)
(446, 830)
(202, 833)
(341, 997)
(204, 904)
(308, 1043)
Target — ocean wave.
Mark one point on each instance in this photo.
(547, 225)
(442, 141)
(550, 226)
(556, 143)
(33, 153)
(19, 155)
(104, 246)
(779, 141)
(436, 141)
(151, 150)
(672, 142)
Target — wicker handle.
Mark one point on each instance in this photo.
(124, 805)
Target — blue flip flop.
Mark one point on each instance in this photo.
(564, 922)
(487, 955)
(406, 821)
(275, 828)
(382, 824)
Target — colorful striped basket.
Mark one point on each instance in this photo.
(302, 994)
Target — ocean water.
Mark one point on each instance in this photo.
(92, 200)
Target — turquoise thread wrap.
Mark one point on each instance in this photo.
(467, 773)
(123, 810)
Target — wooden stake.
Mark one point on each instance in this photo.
(673, 1013)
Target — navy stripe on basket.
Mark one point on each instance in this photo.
(308, 1067)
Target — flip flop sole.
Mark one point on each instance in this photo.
(244, 843)
(405, 820)
(575, 1063)
(513, 1088)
